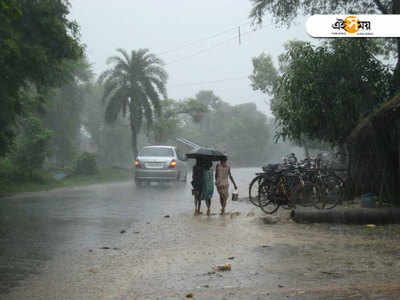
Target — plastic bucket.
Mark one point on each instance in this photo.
(368, 200)
(235, 195)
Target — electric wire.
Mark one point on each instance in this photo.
(188, 44)
(209, 48)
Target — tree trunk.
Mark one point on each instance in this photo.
(306, 150)
(133, 136)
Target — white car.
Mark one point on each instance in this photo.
(159, 163)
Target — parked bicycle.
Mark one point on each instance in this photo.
(293, 185)
(285, 188)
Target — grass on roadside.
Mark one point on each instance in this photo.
(46, 181)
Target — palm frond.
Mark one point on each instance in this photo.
(125, 55)
(151, 59)
(109, 87)
(160, 86)
(140, 76)
(141, 53)
(153, 97)
(104, 75)
(258, 10)
(113, 108)
(154, 70)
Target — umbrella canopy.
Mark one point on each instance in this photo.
(206, 153)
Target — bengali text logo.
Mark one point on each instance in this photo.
(351, 25)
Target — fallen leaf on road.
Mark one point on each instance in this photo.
(226, 267)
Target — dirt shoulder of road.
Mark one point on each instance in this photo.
(49, 183)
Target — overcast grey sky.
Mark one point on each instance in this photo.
(196, 39)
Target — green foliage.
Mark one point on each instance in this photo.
(86, 164)
(7, 170)
(265, 77)
(102, 136)
(32, 146)
(324, 91)
(167, 126)
(194, 108)
(284, 12)
(241, 131)
(35, 37)
(63, 112)
(208, 99)
(45, 181)
(134, 84)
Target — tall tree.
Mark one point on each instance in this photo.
(134, 84)
(63, 111)
(241, 131)
(102, 136)
(322, 92)
(35, 37)
(169, 125)
(284, 12)
(208, 98)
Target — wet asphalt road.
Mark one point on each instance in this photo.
(36, 228)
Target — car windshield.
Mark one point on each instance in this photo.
(156, 152)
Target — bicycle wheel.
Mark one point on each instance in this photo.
(254, 190)
(269, 200)
(304, 194)
(331, 192)
(291, 183)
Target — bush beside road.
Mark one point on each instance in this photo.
(45, 181)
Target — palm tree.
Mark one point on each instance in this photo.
(134, 84)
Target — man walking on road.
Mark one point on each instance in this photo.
(222, 173)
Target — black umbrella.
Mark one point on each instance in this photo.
(206, 153)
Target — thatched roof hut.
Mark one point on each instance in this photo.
(387, 114)
(374, 151)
